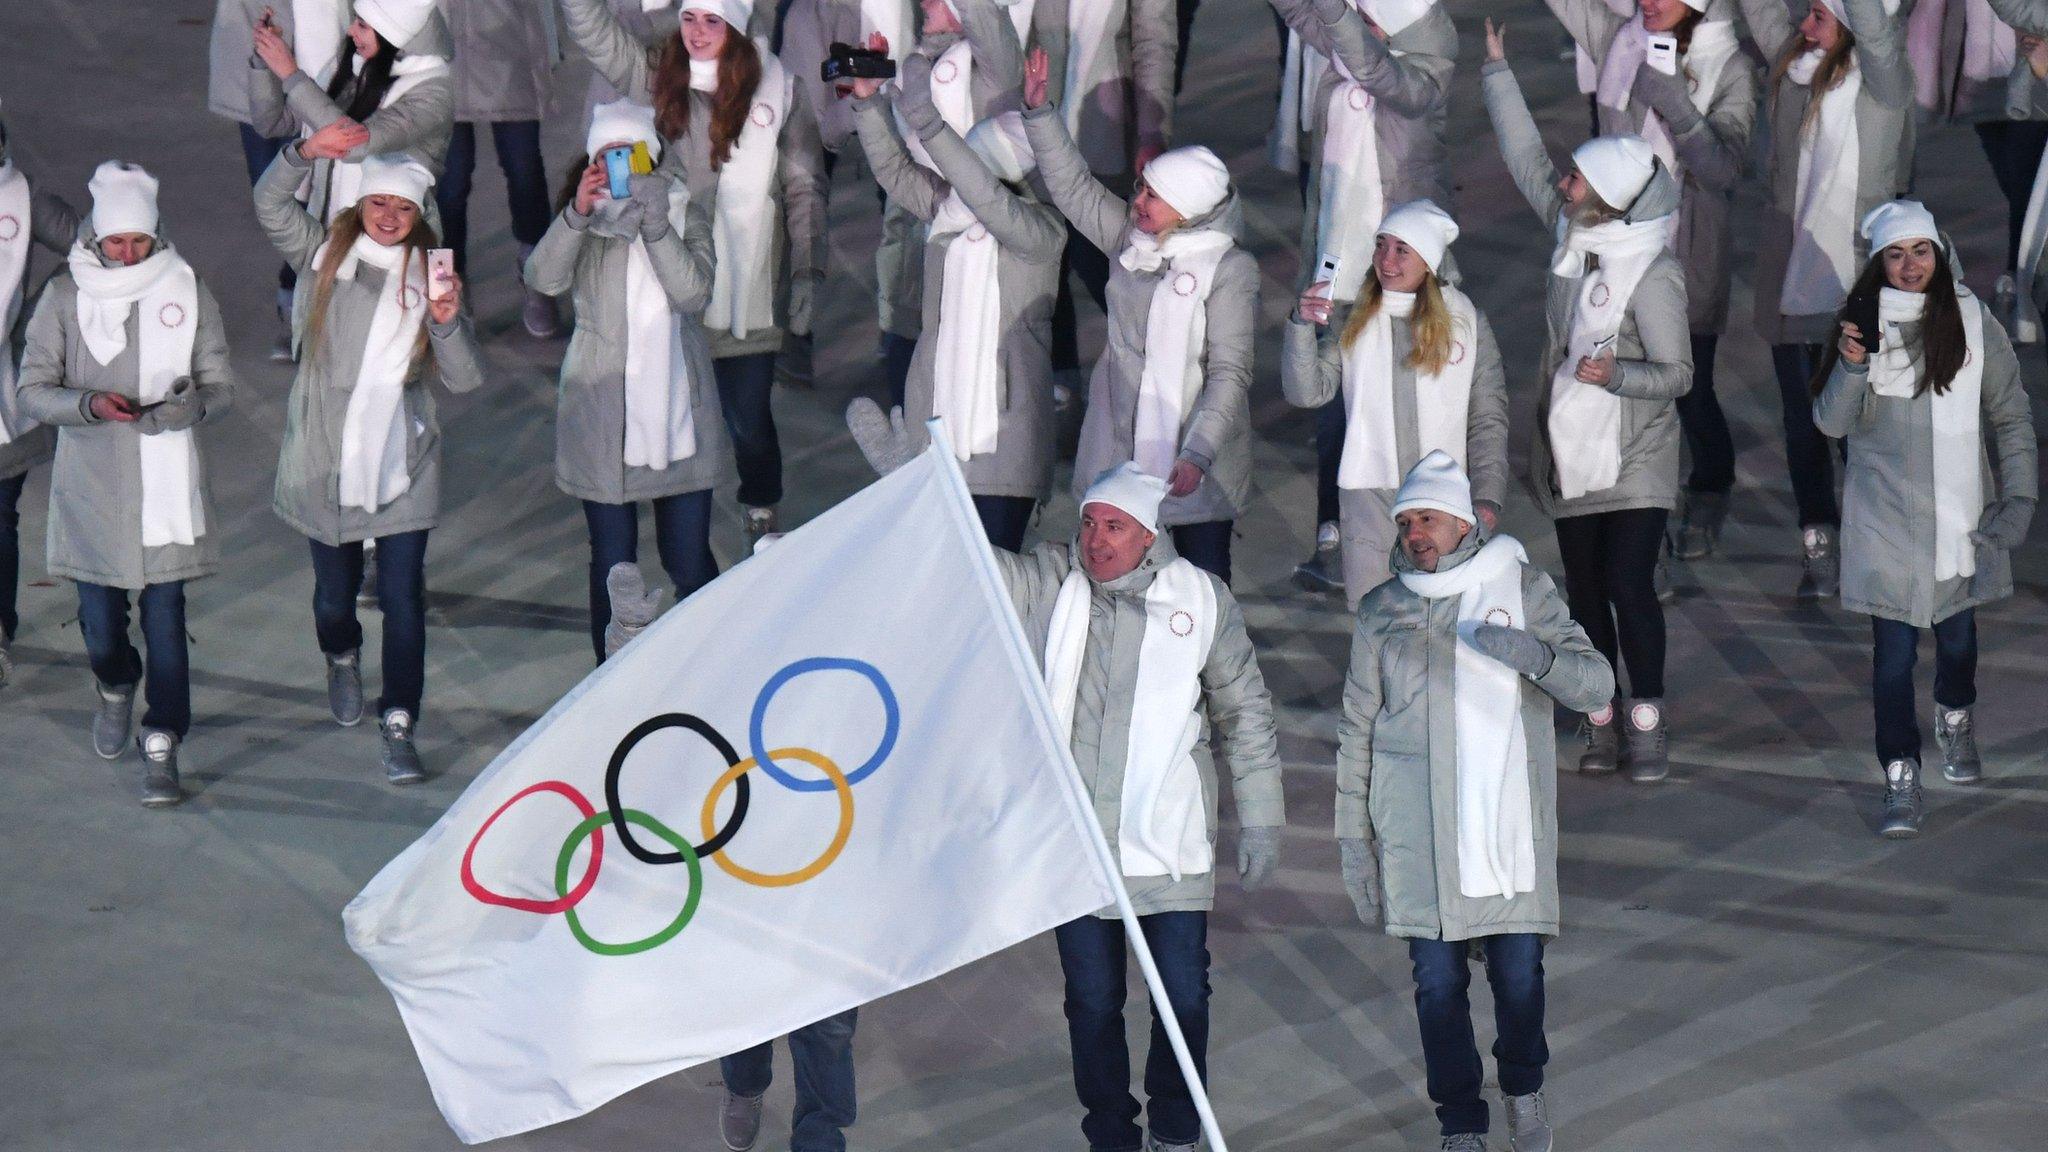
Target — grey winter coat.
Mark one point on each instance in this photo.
(308, 492)
(505, 55)
(797, 253)
(1397, 752)
(1132, 112)
(1888, 486)
(1883, 112)
(1218, 436)
(809, 29)
(1239, 709)
(95, 528)
(590, 412)
(53, 224)
(1312, 374)
(231, 81)
(1653, 352)
(1711, 148)
(1409, 75)
(1031, 238)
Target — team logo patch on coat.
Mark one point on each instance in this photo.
(1500, 616)
(764, 115)
(409, 297)
(1600, 296)
(946, 72)
(1457, 352)
(1185, 283)
(1182, 623)
(10, 227)
(171, 315)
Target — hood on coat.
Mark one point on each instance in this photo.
(1158, 556)
(1658, 198)
(1433, 35)
(434, 40)
(1466, 549)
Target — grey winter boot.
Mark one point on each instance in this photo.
(345, 688)
(739, 1121)
(1528, 1122)
(1821, 576)
(1700, 530)
(1323, 571)
(1603, 742)
(111, 723)
(366, 596)
(1155, 1144)
(401, 759)
(6, 663)
(1956, 734)
(1463, 1142)
(159, 768)
(1647, 762)
(1901, 800)
(537, 311)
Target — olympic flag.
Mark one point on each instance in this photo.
(831, 774)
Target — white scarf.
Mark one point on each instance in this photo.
(16, 234)
(1176, 330)
(318, 29)
(967, 370)
(1585, 419)
(1958, 446)
(1713, 45)
(1496, 816)
(163, 294)
(1353, 200)
(661, 421)
(1162, 824)
(1822, 261)
(374, 439)
(1092, 27)
(1301, 73)
(893, 20)
(743, 216)
(1372, 454)
(345, 177)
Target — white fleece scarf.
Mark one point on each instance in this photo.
(1496, 815)
(318, 29)
(1353, 198)
(966, 369)
(1092, 27)
(1713, 45)
(1372, 454)
(163, 293)
(345, 177)
(1822, 262)
(1585, 419)
(1301, 74)
(374, 438)
(743, 217)
(1176, 331)
(661, 421)
(1958, 445)
(16, 234)
(1162, 822)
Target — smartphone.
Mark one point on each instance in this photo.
(1663, 54)
(642, 160)
(440, 273)
(618, 171)
(1862, 312)
(1326, 270)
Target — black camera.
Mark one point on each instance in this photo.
(846, 63)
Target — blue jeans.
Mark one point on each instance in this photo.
(1206, 546)
(167, 689)
(401, 594)
(1330, 421)
(1894, 650)
(1514, 966)
(258, 151)
(1092, 955)
(517, 143)
(821, 1056)
(1806, 450)
(1004, 519)
(1705, 426)
(745, 384)
(682, 535)
(10, 554)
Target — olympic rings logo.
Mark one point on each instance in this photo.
(623, 820)
(10, 227)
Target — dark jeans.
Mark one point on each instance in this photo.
(1514, 966)
(1206, 546)
(167, 690)
(402, 596)
(1092, 955)
(744, 386)
(1079, 258)
(10, 554)
(2014, 148)
(1610, 561)
(1005, 518)
(682, 535)
(258, 151)
(1894, 651)
(517, 143)
(1806, 450)
(1184, 19)
(821, 1055)
(896, 354)
(1705, 428)
(1330, 420)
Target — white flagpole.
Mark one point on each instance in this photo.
(1078, 794)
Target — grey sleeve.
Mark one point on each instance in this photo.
(998, 57)
(1049, 31)
(1301, 17)
(801, 160)
(909, 184)
(1770, 25)
(1091, 208)
(1843, 405)
(1665, 371)
(1580, 677)
(1355, 723)
(2030, 17)
(1881, 52)
(1155, 39)
(2010, 416)
(1233, 311)
(291, 229)
(1486, 422)
(1411, 86)
(551, 266)
(1031, 576)
(682, 260)
(1241, 712)
(1590, 23)
(421, 116)
(612, 50)
(457, 359)
(269, 113)
(1521, 143)
(53, 222)
(41, 390)
(213, 375)
(1023, 227)
(307, 103)
(1310, 372)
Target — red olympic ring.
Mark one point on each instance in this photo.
(946, 72)
(1358, 99)
(170, 315)
(408, 297)
(10, 227)
(1185, 284)
(521, 903)
(1600, 295)
(1457, 352)
(763, 115)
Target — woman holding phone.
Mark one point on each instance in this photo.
(733, 128)
(1617, 355)
(1929, 517)
(361, 456)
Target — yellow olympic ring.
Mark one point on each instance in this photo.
(784, 879)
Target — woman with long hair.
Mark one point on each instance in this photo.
(361, 455)
(1840, 97)
(1929, 517)
(734, 129)
(1417, 369)
(1616, 357)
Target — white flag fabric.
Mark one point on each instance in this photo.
(829, 775)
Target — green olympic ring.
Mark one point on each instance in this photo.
(682, 920)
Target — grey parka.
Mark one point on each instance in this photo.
(53, 224)
(505, 54)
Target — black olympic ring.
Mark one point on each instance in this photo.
(648, 728)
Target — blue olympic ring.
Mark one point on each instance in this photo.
(758, 747)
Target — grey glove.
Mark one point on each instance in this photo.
(1361, 867)
(2004, 523)
(1666, 95)
(617, 219)
(633, 606)
(650, 192)
(914, 95)
(803, 289)
(884, 440)
(1258, 854)
(178, 411)
(1518, 648)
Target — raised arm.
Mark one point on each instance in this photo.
(1025, 228)
(1091, 208)
(1241, 713)
(998, 57)
(456, 358)
(418, 121)
(1412, 85)
(1590, 23)
(1580, 677)
(1711, 148)
(612, 50)
(1300, 16)
(1232, 310)
(1155, 40)
(1521, 143)
(1770, 26)
(683, 258)
(1665, 371)
(292, 230)
(1486, 423)
(908, 183)
(53, 222)
(1881, 52)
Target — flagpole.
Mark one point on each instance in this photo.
(1077, 793)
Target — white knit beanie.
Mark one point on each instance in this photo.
(737, 13)
(1696, 5)
(622, 120)
(1131, 490)
(1394, 15)
(1618, 167)
(1896, 221)
(1437, 482)
(1423, 226)
(1002, 145)
(1193, 181)
(396, 174)
(123, 200)
(398, 21)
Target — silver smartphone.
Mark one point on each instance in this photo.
(1663, 54)
(1326, 269)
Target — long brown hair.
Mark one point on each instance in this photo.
(341, 236)
(1943, 344)
(1834, 66)
(739, 74)
(1430, 325)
